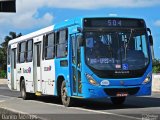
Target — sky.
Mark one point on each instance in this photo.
(32, 15)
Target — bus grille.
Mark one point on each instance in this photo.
(114, 91)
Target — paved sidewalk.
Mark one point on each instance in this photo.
(156, 82)
(3, 81)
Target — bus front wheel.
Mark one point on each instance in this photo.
(66, 100)
(118, 100)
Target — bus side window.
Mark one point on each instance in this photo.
(29, 51)
(62, 43)
(49, 46)
(21, 53)
(43, 53)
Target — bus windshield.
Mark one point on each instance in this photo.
(124, 49)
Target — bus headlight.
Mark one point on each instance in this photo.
(91, 80)
(147, 80)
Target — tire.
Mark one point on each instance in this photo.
(24, 94)
(118, 100)
(66, 100)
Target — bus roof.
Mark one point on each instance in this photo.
(32, 35)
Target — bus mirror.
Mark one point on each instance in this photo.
(80, 40)
(151, 40)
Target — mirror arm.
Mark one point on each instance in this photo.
(149, 30)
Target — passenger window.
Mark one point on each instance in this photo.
(49, 46)
(29, 50)
(22, 50)
(14, 50)
(38, 47)
(62, 45)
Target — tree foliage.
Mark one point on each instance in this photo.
(156, 66)
(3, 50)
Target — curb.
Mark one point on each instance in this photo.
(3, 81)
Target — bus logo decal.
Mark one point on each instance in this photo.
(105, 82)
(27, 70)
(47, 68)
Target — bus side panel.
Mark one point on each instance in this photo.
(62, 71)
(28, 74)
(48, 77)
(19, 74)
(25, 70)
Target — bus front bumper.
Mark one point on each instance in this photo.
(91, 91)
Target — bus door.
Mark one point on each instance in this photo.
(37, 65)
(76, 66)
(13, 67)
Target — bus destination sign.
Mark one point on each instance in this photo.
(114, 22)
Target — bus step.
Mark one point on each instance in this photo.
(38, 93)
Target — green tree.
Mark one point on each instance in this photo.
(156, 66)
(3, 50)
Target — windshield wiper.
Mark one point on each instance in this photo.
(126, 45)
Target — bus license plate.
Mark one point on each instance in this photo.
(121, 94)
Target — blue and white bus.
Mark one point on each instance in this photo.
(87, 58)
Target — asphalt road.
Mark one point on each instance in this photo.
(50, 108)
